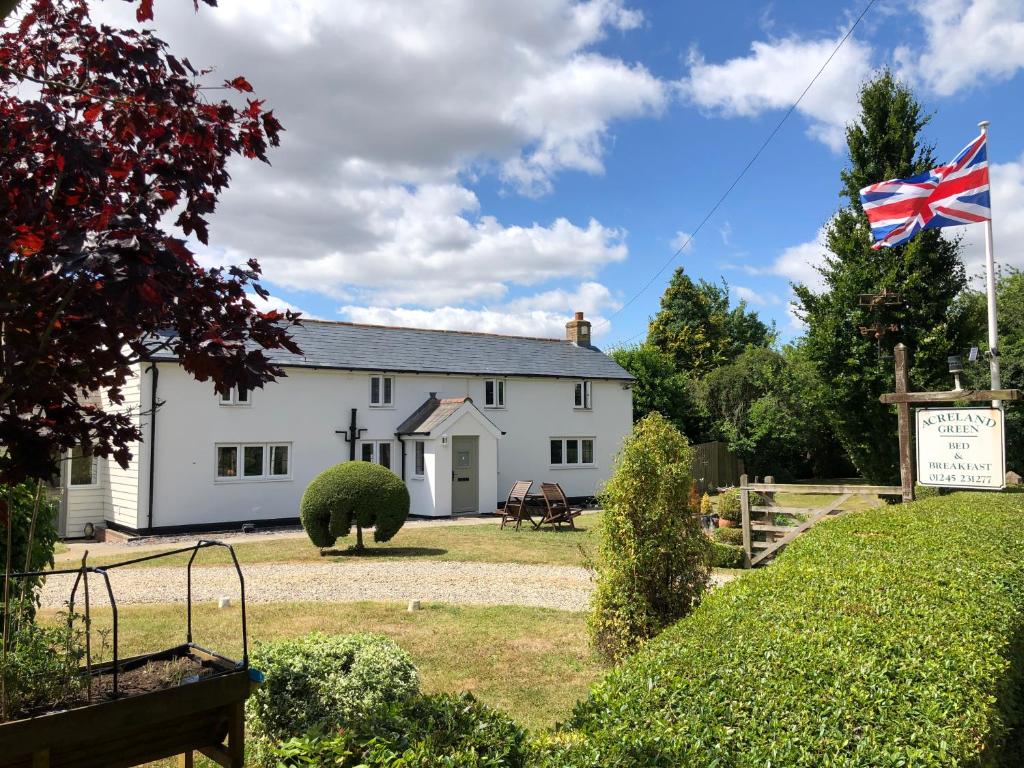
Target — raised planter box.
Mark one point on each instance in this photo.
(206, 716)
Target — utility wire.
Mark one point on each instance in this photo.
(742, 173)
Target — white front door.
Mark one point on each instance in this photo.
(465, 483)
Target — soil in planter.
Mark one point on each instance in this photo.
(154, 675)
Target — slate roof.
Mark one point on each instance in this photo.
(355, 347)
(432, 414)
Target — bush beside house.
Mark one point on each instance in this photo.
(890, 637)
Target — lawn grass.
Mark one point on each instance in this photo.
(466, 543)
(531, 662)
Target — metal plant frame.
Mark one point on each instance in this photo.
(103, 572)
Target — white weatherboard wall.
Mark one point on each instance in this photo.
(307, 407)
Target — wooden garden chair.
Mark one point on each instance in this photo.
(557, 509)
(516, 506)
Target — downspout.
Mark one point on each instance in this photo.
(152, 441)
(402, 443)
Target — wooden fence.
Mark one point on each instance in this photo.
(714, 466)
(763, 537)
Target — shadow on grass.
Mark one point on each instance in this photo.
(372, 551)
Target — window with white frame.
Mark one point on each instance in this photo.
(254, 461)
(572, 451)
(419, 458)
(382, 391)
(494, 393)
(236, 396)
(581, 395)
(82, 467)
(376, 452)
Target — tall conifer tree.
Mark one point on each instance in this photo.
(927, 274)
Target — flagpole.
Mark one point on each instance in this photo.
(990, 280)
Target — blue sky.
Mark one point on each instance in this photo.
(496, 166)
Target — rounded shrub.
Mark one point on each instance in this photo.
(354, 493)
(325, 682)
(726, 555)
(729, 535)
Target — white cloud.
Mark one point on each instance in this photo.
(544, 314)
(799, 263)
(390, 109)
(1007, 180)
(682, 240)
(753, 297)
(964, 42)
(275, 302)
(773, 76)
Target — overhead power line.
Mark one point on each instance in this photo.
(743, 172)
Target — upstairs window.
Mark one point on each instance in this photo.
(581, 395)
(377, 452)
(237, 396)
(494, 393)
(82, 467)
(382, 391)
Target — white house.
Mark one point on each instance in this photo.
(459, 416)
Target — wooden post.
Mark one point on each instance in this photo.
(186, 760)
(903, 423)
(745, 521)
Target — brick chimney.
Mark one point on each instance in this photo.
(577, 331)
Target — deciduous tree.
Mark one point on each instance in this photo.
(660, 388)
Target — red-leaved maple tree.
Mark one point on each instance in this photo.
(105, 139)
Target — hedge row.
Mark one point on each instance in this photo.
(886, 638)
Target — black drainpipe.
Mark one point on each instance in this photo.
(351, 435)
(152, 440)
(402, 443)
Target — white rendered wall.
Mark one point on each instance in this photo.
(307, 407)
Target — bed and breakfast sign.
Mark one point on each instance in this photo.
(961, 447)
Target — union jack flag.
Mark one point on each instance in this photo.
(947, 196)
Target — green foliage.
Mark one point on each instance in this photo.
(729, 505)
(766, 406)
(707, 506)
(890, 637)
(652, 566)
(660, 388)
(727, 555)
(320, 681)
(29, 523)
(354, 493)
(696, 327)
(729, 535)
(926, 272)
(441, 731)
(41, 669)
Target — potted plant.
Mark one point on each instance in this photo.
(729, 513)
(123, 712)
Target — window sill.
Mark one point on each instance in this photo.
(572, 466)
(244, 480)
(417, 477)
(382, 407)
(235, 405)
(494, 407)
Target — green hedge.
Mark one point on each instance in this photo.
(886, 638)
(353, 493)
(726, 555)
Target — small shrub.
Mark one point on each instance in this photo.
(726, 555)
(33, 536)
(41, 669)
(354, 493)
(707, 506)
(729, 505)
(427, 731)
(322, 681)
(729, 535)
(654, 559)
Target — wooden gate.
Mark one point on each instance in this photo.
(764, 537)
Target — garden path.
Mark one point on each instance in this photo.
(544, 586)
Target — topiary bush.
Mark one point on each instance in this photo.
(354, 493)
(890, 637)
(653, 563)
(322, 681)
(726, 555)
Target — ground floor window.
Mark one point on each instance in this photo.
(82, 467)
(572, 451)
(419, 462)
(254, 461)
(377, 452)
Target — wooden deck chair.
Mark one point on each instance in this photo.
(516, 505)
(557, 509)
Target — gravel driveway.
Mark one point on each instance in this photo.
(562, 587)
